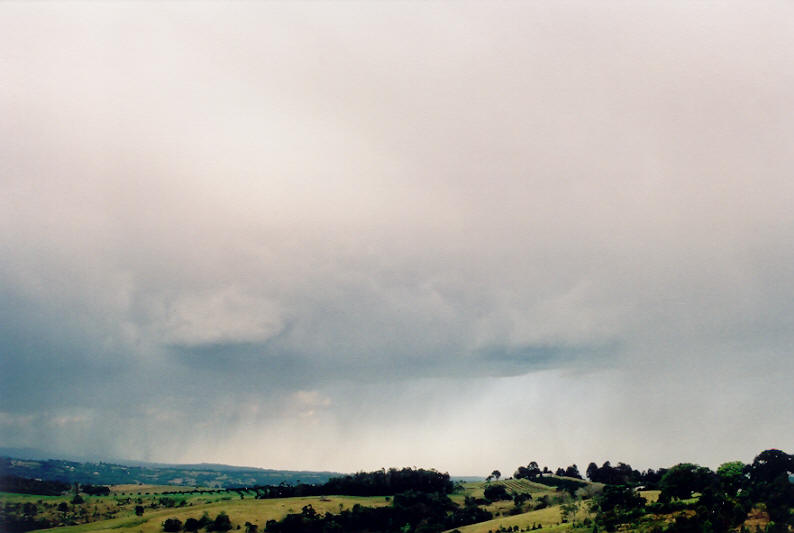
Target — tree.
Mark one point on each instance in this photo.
(531, 471)
(573, 471)
(191, 524)
(221, 522)
(770, 482)
(568, 511)
(496, 475)
(139, 510)
(496, 492)
(172, 525)
(204, 521)
(770, 464)
(617, 504)
(617, 497)
(30, 509)
(732, 477)
(612, 475)
(683, 479)
(592, 470)
(520, 497)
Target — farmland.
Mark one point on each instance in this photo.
(548, 518)
(117, 513)
(408, 500)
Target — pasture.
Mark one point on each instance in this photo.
(549, 518)
(140, 508)
(475, 489)
(116, 514)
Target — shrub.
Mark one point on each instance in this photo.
(221, 522)
(172, 525)
(496, 492)
(204, 521)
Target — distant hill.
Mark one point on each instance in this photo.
(33, 465)
(467, 479)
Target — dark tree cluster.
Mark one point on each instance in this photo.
(378, 483)
(470, 513)
(770, 481)
(716, 502)
(622, 474)
(32, 486)
(412, 511)
(95, 490)
(683, 479)
(617, 504)
(18, 517)
(392, 481)
(172, 525)
(531, 472)
(496, 492)
(571, 471)
(222, 523)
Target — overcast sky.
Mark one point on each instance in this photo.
(348, 236)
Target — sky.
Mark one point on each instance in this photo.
(350, 235)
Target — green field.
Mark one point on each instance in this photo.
(513, 486)
(475, 489)
(116, 512)
(136, 488)
(239, 511)
(549, 518)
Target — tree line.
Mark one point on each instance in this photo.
(621, 474)
(32, 486)
(378, 483)
(712, 502)
(411, 511)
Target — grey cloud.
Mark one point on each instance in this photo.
(205, 211)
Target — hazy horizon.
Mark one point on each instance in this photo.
(344, 236)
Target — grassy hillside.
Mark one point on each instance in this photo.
(475, 489)
(239, 511)
(549, 518)
(116, 512)
(504, 510)
(205, 475)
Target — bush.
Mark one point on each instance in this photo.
(496, 492)
(95, 490)
(167, 502)
(221, 523)
(191, 524)
(204, 521)
(172, 525)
